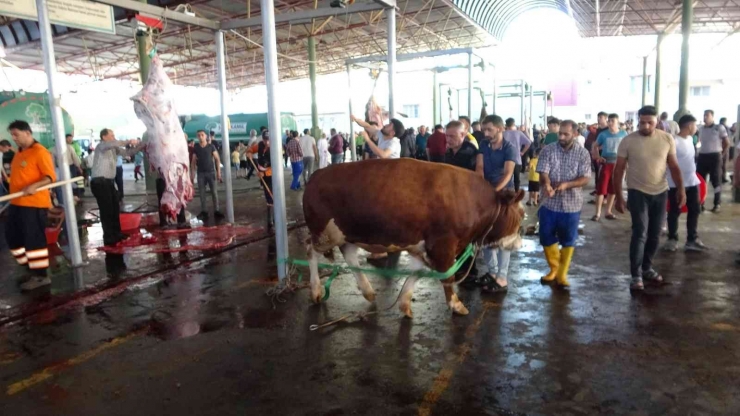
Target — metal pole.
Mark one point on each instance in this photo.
(276, 144)
(531, 108)
(435, 99)
(470, 86)
(644, 80)
(683, 83)
(225, 145)
(351, 124)
(312, 78)
(391, 16)
(495, 93)
(57, 123)
(544, 119)
(657, 72)
(521, 97)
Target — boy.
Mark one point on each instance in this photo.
(685, 154)
(604, 151)
(534, 180)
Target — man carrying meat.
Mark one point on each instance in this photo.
(205, 156)
(32, 168)
(102, 186)
(389, 145)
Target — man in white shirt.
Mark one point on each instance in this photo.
(685, 155)
(308, 146)
(389, 145)
(714, 144)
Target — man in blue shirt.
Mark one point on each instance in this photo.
(421, 143)
(607, 142)
(496, 162)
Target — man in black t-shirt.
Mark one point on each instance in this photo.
(460, 153)
(205, 157)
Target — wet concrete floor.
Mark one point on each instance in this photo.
(203, 338)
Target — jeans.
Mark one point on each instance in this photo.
(307, 168)
(107, 197)
(517, 177)
(648, 214)
(250, 169)
(119, 182)
(692, 219)
(494, 261)
(338, 158)
(297, 169)
(207, 178)
(711, 164)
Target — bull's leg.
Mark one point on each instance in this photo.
(349, 251)
(317, 291)
(407, 292)
(452, 300)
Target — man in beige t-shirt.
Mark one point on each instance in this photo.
(647, 152)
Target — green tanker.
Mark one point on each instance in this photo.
(241, 124)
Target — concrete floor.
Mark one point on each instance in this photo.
(202, 338)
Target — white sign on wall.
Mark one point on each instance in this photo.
(80, 14)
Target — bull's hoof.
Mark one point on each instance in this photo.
(460, 309)
(406, 310)
(370, 296)
(317, 297)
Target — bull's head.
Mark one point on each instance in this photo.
(508, 214)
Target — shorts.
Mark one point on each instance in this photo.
(235, 165)
(604, 186)
(243, 164)
(534, 186)
(558, 227)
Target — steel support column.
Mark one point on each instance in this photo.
(683, 83)
(225, 145)
(495, 93)
(276, 143)
(312, 77)
(544, 119)
(57, 122)
(351, 123)
(523, 91)
(470, 86)
(656, 102)
(391, 16)
(644, 80)
(530, 123)
(435, 100)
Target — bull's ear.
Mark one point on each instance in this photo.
(519, 195)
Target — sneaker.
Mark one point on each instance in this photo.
(218, 215)
(696, 245)
(672, 245)
(202, 216)
(716, 209)
(35, 283)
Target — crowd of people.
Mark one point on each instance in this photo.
(666, 163)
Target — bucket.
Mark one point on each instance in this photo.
(52, 235)
(130, 221)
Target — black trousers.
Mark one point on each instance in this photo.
(437, 159)
(161, 185)
(119, 182)
(105, 194)
(26, 237)
(711, 164)
(648, 215)
(517, 177)
(692, 219)
(268, 181)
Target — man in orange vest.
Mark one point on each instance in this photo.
(32, 168)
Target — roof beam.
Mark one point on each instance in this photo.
(301, 15)
(160, 12)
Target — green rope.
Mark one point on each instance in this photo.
(388, 273)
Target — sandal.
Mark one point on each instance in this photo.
(493, 286)
(595, 218)
(651, 276)
(611, 217)
(636, 284)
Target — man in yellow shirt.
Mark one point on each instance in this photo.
(32, 168)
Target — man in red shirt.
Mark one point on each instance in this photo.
(437, 145)
(336, 147)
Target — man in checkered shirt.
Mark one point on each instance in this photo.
(564, 169)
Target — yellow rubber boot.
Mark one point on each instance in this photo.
(566, 255)
(552, 254)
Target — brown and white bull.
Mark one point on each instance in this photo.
(431, 210)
